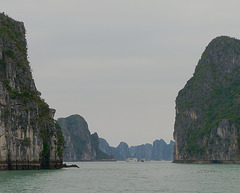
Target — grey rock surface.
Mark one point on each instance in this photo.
(29, 137)
(80, 144)
(207, 124)
(158, 151)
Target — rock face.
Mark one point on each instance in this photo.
(159, 148)
(169, 151)
(29, 137)
(122, 151)
(140, 152)
(80, 145)
(158, 151)
(207, 125)
(162, 151)
(104, 147)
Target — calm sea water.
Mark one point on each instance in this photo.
(147, 177)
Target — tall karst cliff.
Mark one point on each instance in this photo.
(207, 125)
(29, 137)
(80, 145)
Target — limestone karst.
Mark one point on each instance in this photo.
(29, 136)
(207, 125)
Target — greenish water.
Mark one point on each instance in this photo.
(147, 177)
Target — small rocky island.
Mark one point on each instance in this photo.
(80, 144)
(29, 136)
(207, 125)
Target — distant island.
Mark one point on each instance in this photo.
(207, 125)
(29, 136)
(81, 145)
(157, 151)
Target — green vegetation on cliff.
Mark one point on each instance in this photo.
(25, 115)
(208, 107)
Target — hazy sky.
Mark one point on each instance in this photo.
(119, 63)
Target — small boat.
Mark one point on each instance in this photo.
(131, 159)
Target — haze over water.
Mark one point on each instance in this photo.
(101, 177)
(119, 64)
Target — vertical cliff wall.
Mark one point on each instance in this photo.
(122, 151)
(29, 138)
(162, 151)
(143, 151)
(207, 125)
(80, 145)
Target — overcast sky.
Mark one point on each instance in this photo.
(119, 63)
